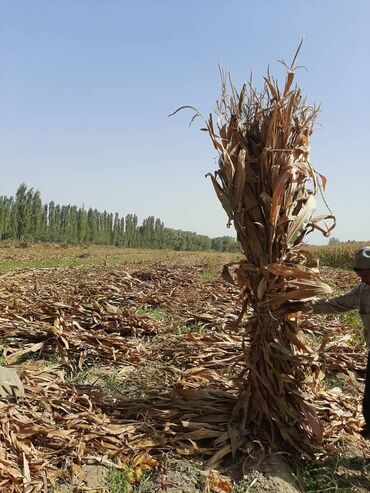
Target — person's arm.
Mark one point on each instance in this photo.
(343, 303)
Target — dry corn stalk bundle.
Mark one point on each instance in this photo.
(267, 186)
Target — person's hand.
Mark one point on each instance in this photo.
(294, 306)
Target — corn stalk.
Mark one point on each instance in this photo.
(268, 187)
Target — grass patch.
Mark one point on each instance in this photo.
(353, 319)
(213, 266)
(336, 380)
(49, 358)
(110, 381)
(157, 314)
(335, 473)
(117, 482)
(112, 384)
(313, 340)
(184, 329)
(82, 377)
(208, 276)
(319, 476)
(132, 480)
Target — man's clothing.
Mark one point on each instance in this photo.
(366, 400)
(356, 299)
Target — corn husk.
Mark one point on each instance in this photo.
(268, 187)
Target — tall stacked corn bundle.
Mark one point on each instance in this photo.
(267, 186)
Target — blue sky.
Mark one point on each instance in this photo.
(86, 87)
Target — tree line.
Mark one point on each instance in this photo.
(26, 218)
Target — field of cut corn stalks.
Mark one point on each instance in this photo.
(125, 363)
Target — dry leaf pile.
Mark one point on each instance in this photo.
(185, 368)
(76, 313)
(56, 426)
(267, 186)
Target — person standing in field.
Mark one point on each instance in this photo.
(356, 298)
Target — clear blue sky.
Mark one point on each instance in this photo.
(86, 87)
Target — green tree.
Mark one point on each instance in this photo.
(35, 230)
(83, 231)
(26, 217)
(116, 236)
(21, 212)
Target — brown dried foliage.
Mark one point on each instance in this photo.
(185, 380)
(267, 186)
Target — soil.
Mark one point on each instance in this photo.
(177, 476)
(180, 475)
(92, 478)
(270, 474)
(186, 476)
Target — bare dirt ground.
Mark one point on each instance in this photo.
(129, 369)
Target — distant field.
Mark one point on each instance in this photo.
(15, 255)
(338, 256)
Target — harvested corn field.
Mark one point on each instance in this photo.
(130, 367)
